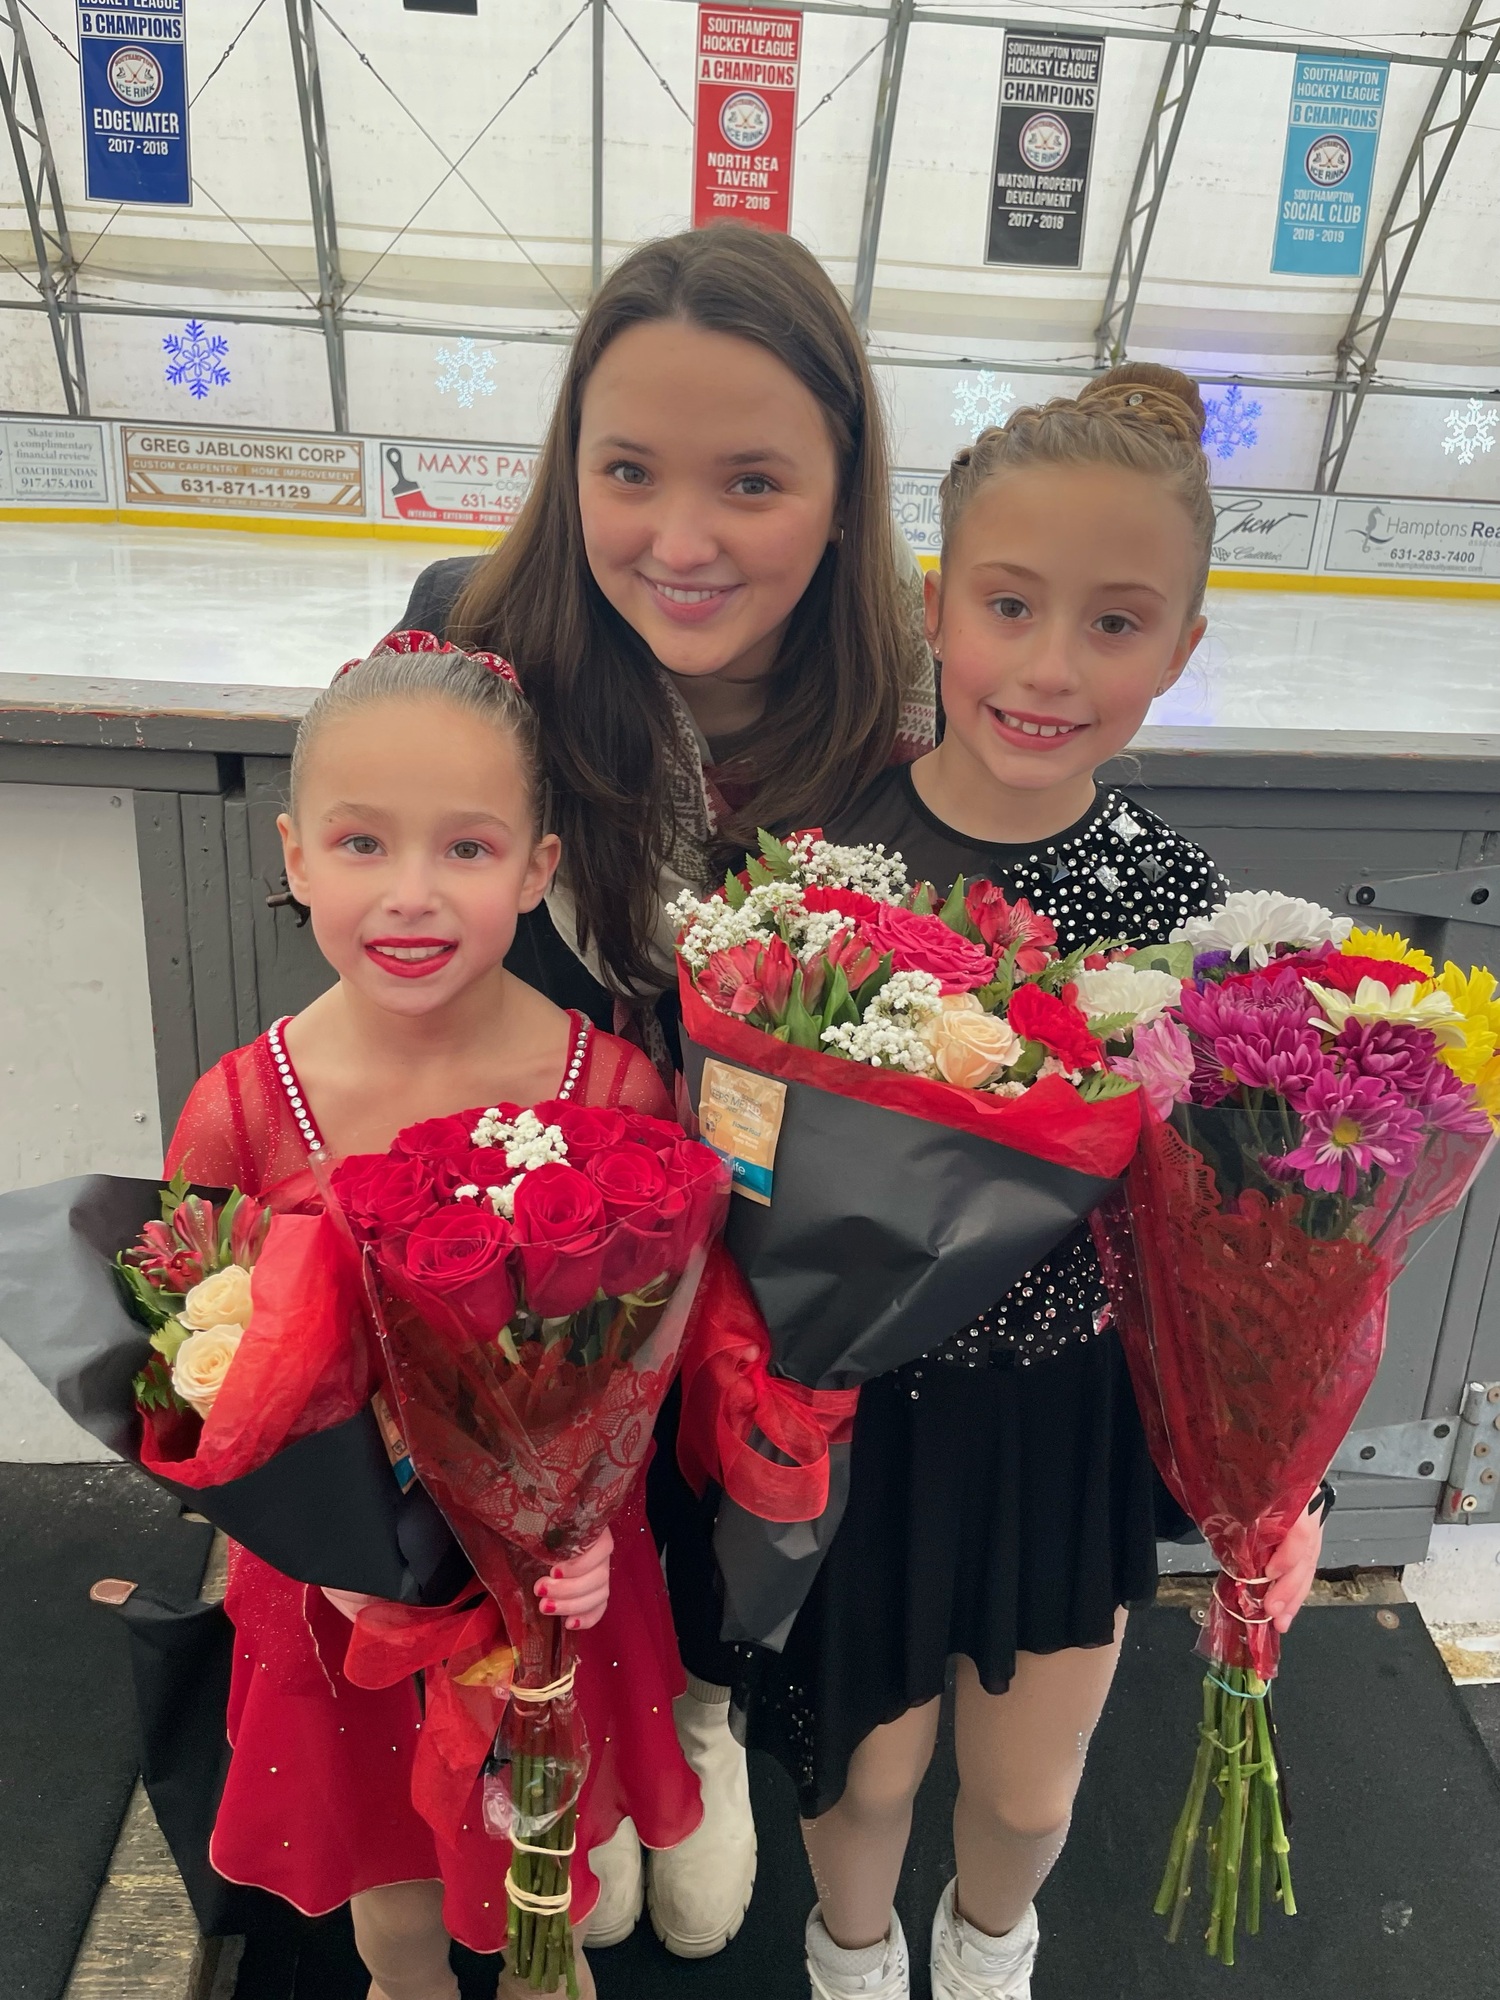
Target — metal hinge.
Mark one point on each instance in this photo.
(1466, 895)
(1463, 1451)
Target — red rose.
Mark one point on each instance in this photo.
(484, 1167)
(588, 1129)
(925, 944)
(462, 1256)
(1002, 923)
(629, 1178)
(701, 1173)
(383, 1194)
(437, 1138)
(559, 1232)
(848, 902)
(660, 1135)
(646, 1245)
(1057, 1024)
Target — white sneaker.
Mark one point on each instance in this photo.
(621, 1871)
(967, 1965)
(699, 1890)
(889, 1980)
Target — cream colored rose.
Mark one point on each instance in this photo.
(969, 1046)
(203, 1360)
(222, 1300)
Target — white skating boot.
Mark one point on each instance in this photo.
(882, 1972)
(967, 1965)
(699, 1890)
(620, 1868)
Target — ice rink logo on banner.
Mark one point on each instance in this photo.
(135, 76)
(745, 120)
(1045, 143)
(1328, 160)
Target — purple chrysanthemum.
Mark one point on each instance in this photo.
(1403, 1057)
(1274, 1055)
(1350, 1125)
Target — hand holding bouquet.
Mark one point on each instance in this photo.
(1316, 1096)
(532, 1273)
(917, 1108)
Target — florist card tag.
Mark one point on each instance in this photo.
(739, 1115)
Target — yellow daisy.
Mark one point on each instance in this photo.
(1487, 1088)
(1386, 944)
(1478, 1012)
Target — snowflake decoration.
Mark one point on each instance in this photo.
(979, 401)
(466, 372)
(197, 359)
(1471, 430)
(1230, 425)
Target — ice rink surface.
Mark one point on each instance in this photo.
(285, 610)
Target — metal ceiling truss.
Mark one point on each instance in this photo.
(52, 245)
(299, 20)
(1153, 169)
(1437, 138)
(596, 155)
(892, 62)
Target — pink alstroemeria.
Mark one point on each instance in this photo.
(1161, 1062)
(731, 980)
(1002, 924)
(854, 952)
(1350, 1126)
(776, 971)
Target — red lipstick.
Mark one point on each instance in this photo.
(435, 954)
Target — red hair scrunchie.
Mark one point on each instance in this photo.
(429, 642)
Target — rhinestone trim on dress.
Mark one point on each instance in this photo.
(313, 1139)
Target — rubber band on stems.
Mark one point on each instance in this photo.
(541, 1906)
(1245, 1583)
(553, 1691)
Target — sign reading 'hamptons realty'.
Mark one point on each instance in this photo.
(1049, 98)
(745, 132)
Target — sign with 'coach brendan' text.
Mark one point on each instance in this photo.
(132, 64)
(1049, 99)
(745, 131)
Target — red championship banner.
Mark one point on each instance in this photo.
(745, 134)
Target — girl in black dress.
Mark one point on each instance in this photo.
(1001, 1505)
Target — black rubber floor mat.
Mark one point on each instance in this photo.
(68, 1748)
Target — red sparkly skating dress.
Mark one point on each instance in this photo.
(317, 1805)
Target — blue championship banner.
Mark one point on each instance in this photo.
(1333, 128)
(132, 60)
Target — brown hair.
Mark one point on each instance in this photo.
(429, 673)
(1140, 415)
(606, 716)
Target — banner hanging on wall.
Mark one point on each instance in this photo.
(132, 65)
(1049, 98)
(745, 131)
(454, 485)
(1333, 129)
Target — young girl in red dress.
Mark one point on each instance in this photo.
(414, 838)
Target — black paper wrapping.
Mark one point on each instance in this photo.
(884, 1235)
(326, 1510)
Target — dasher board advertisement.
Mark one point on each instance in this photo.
(745, 130)
(1049, 99)
(132, 65)
(259, 472)
(454, 485)
(53, 464)
(1450, 538)
(916, 505)
(1264, 530)
(1333, 129)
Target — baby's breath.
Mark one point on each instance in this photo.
(525, 1141)
(890, 1035)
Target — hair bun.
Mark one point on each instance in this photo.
(1145, 392)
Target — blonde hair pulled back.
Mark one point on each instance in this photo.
(1140, 415)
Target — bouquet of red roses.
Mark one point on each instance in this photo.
(531, 1273)
(1315, 1099)
(917, 1107)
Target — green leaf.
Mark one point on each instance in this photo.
(141, 1296)
(993, 998)
(839, 1010)
(875, 982)
(1100, 1084)
(1111, 1027)
(1174, 958)
(776, 854)
(923, 899)
(759, 874)
(172, 1194)
(804, 1030)
(1026, 1065)
(735, 891)
(226, 1224)
(167, 1338)
(953, 913)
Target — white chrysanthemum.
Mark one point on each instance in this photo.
(1252, 922)
(1373, 1000)
(1124, 989)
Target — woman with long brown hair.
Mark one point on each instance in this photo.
(707, 605)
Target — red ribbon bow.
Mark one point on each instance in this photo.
(469, 1663)
(729, 1393)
